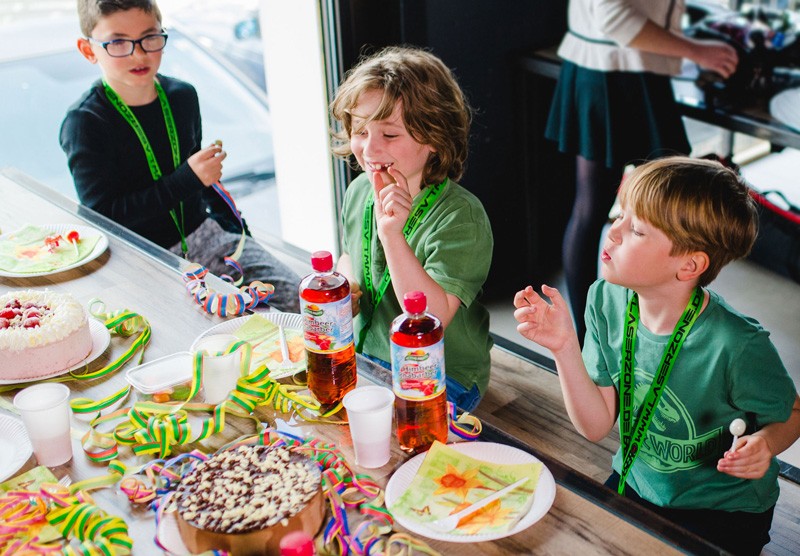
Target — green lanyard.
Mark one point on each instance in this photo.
(412, 223)
(632, 437)
(172, 134)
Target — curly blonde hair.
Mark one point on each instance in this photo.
(435, 110)
(699, 205)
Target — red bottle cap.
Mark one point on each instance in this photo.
(415, 302)
(321, 261)
(297, 543)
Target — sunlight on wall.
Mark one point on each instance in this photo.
(293, 57)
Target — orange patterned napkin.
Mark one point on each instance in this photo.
(449, 481)
(263, 335)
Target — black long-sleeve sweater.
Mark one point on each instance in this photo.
(110, 169)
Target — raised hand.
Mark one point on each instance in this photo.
(549, 325)
(392, 202)
(207, 164)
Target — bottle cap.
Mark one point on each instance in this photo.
(415, 302)
(297, 543)
(321, 261)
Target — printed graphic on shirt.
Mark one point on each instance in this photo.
(672, 442)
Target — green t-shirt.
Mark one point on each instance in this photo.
(727, 368)
(454, 244)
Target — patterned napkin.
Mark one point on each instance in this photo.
(264, 336)
(449, 481)
(26, 251)
(31, 481)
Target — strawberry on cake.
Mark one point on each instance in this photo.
(41, 332)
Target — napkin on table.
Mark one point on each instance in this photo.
(449, 481)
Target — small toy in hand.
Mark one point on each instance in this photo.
(737, 429)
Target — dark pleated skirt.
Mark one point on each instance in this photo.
(617, 117)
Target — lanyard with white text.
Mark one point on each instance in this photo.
(632, 437)
(172, 134)
(412, 223)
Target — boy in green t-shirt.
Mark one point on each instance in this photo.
(405, 120)
(673, 361)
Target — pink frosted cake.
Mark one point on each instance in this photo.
(41, 332)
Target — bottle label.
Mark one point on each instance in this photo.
(418, 373)
(327, 327)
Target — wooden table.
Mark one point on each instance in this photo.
(135, 274)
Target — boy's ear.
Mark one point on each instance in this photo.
(86, 50)
(694, 265)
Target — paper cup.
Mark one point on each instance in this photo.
(370, 410)
(44, 409)
(220, 370)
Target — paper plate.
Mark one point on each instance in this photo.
(15, 448)
(785, 107)
(491, 452)
(289, 321)
(101, 337)
(63, 229)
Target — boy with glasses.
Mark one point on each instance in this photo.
(133, 144)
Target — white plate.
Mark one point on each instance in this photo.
(15, 448)
(63, 229)
(101, 337)
(492, 452)
(289, 321)
(785, 106)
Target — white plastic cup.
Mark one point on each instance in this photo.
(45, 412)
(370, 410)
(220, 371)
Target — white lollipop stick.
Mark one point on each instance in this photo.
(737, 429)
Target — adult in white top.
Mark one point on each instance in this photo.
(614, 106)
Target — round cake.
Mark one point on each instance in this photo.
(41, 332)
(245, 500)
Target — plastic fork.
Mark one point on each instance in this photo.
(287, 362)
(447, 524)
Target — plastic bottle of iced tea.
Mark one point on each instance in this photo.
(328, 331)
(418, 375)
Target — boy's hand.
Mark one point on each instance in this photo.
(392, 202)
(548, 325)
(750, 460)
(355, 297)
(207, 164)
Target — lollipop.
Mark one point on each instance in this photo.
(73, 236)
(737, 429)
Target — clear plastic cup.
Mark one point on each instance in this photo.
(220, 371)
(370, 410)
(44, 409)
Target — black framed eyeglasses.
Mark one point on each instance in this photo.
(119, 48)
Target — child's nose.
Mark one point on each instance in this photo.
(613, 231)
(373, 145)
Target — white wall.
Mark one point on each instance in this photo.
(294, 64)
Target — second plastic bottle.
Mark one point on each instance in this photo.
(418, 375)
(328, 331)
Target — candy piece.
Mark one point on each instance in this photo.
(52, 241)
(73, 236)
(737, 429)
